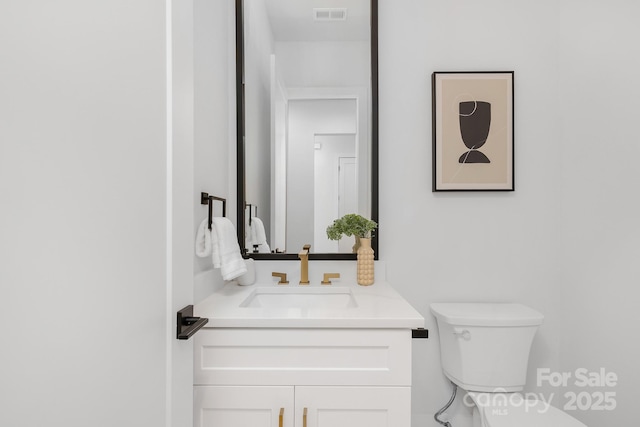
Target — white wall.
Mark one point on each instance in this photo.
(599, 207)
(324, 64)
(214, 122)
(563, 242)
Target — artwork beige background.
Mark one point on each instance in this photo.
(450, 91)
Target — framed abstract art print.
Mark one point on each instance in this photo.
(473, 131)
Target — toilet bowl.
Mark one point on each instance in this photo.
(512, 409)
(484, 349)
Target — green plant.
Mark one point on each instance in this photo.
(351, 225)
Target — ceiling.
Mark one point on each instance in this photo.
(293, 20)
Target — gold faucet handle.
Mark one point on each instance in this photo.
(305, 251)
(283, 278)
(327, 276)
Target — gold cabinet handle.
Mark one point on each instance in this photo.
(283, 278)
(304, 417)
(281, 418)
(327, 276)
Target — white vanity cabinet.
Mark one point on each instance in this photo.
(302, 377)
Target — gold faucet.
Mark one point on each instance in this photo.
(304, 264)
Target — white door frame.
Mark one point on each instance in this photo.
(179, 207)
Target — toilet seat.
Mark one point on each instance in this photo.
(510, 409)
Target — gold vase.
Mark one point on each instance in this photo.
(365, 263)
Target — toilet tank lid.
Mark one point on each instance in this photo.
(486, 314)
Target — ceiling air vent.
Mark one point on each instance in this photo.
(330, 14)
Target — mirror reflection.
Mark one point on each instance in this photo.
(307, 121)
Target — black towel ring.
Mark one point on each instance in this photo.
(206, 199)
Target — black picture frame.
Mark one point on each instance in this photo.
(473, 130)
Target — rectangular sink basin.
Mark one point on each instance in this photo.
(309, 298)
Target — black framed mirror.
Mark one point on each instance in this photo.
(307, 123)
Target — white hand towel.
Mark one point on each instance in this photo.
(225, 251)
(251, 239)
(259, 236)
(215, 247)
(203, 240)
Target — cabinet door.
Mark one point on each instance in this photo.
(353, 406)
(229, 406)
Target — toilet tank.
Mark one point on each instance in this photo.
(485, 346)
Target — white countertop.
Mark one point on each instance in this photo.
(376, 306)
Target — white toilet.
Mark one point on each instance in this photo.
(484, 348)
